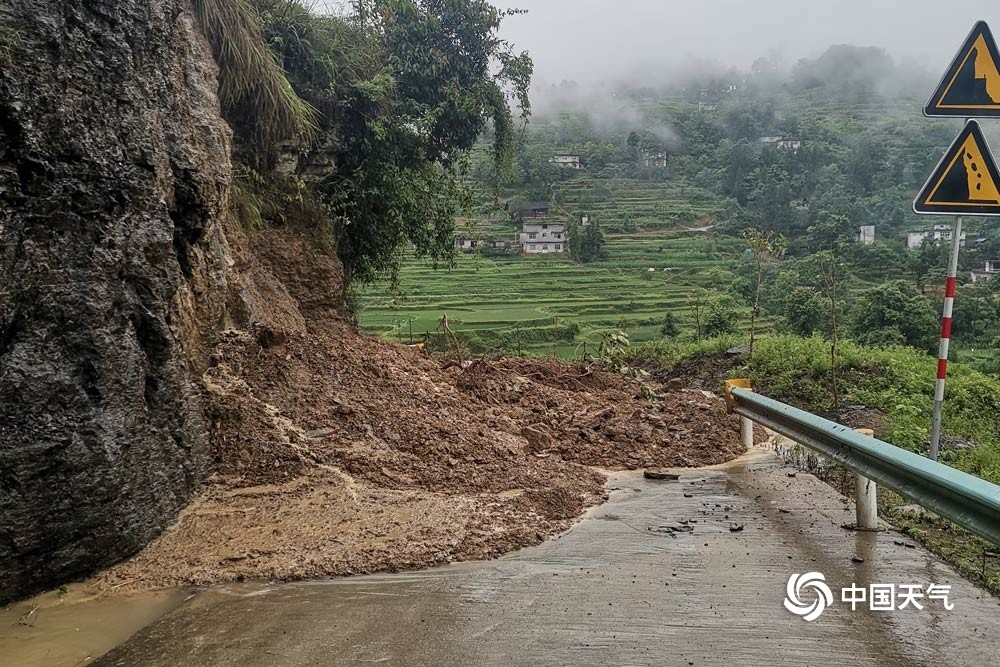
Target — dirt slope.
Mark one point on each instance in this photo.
(339, 454)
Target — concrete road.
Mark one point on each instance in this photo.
(663, 574)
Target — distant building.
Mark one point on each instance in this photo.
(542, 238)
(866, 235)
(535, 209)
(568, 161)
(467, 244)
(584, 220)
(939, 232)
(784, 143)
(654, 159)
(991, 269)
(705, 107)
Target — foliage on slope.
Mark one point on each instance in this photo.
(380, 106)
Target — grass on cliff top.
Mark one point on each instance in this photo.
(252, 85)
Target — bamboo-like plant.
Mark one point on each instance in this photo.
(253, 88)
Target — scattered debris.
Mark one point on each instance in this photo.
(28, 618)
(955, 443)
(672, 531)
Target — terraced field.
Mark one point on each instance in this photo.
(618, 203)
(527, 303)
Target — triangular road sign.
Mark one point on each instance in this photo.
(966, 180)
(971, 86)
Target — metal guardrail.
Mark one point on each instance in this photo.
(969, 501)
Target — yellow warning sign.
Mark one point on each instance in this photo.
(966, 181)
(971, 86)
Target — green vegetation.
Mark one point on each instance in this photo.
(898, 382)
(586, 243)
(252, 85)
(393, 95)
(771, 172)
(514, 301)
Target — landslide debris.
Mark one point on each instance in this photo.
(335, 453)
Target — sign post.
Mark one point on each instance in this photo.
(942, 365)
(966, 180)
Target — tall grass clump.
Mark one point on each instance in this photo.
(256, 96)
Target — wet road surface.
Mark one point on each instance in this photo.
(660, 575)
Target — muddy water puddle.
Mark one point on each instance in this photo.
(72, 627)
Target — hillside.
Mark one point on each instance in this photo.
(180, 381)
(675, 174)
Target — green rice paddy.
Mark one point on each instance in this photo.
(526, 302)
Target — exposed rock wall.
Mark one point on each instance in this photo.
(114, 176)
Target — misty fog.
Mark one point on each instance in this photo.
(594, 40)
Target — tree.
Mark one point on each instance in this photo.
(694, 301)
(771, 198)
(721, 315)
(740, 159)
(402, 90)
(831, 229)
(804, 311)
(929, 263)
(586, 243)
(765, 246)
(670, 327)
(894, 313)
(538, 173)
(829, 266)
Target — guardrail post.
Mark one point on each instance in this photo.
(746, 424)
(746, 432)
(865, 495)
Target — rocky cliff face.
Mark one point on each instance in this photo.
(114, 176)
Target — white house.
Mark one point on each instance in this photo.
(654, 159)
(542, 238)
(568, 161)
(991, 269)
(466, 244)
(784, 143)
(940, 232)
(866, 235)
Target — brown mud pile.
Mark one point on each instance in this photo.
(338, 454)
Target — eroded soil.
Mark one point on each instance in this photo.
(337, 454)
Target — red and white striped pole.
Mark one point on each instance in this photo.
(942, 368)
